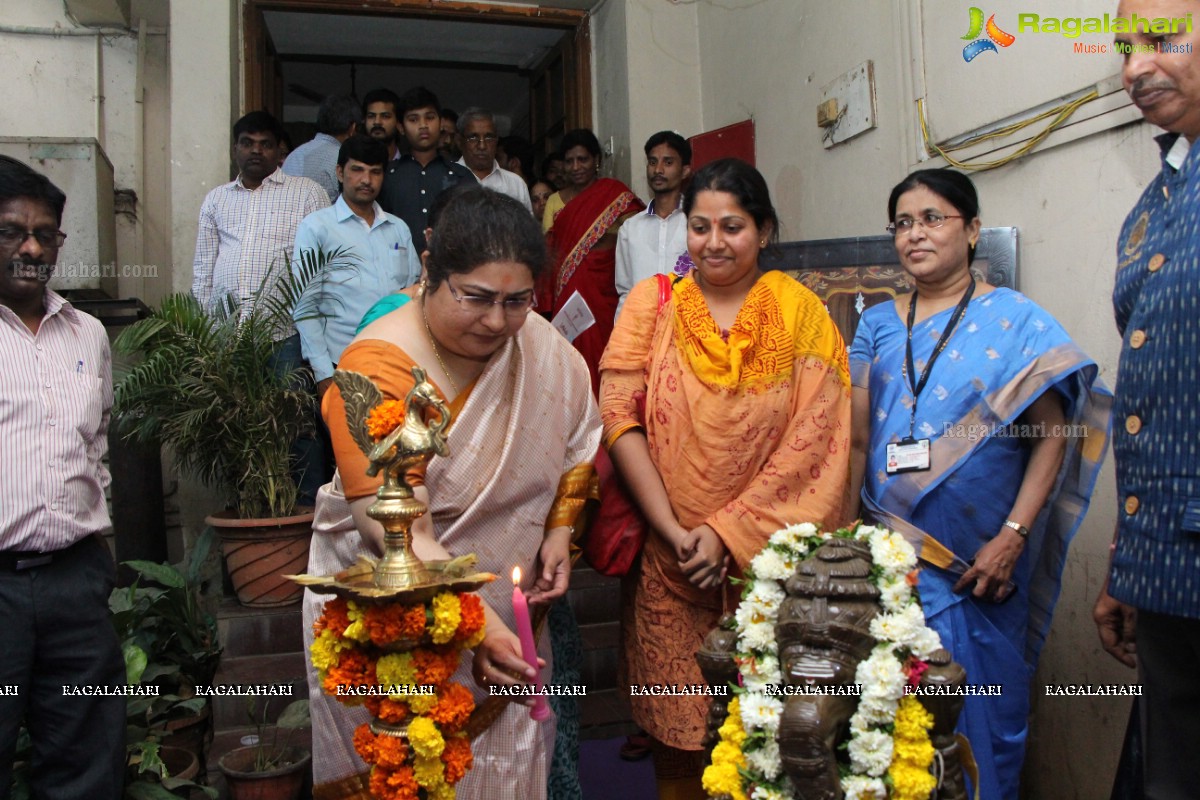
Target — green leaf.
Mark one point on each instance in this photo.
(135, 662)
(164, 574)
(294, 716)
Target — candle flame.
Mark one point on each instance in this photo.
(516, 576)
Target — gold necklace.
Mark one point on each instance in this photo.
(433, 344)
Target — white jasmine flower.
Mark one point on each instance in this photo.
(858, 787)
(760, 713)
(765, 760)
(894, 594)
(771, 565)
(904, 627)
(925, 642)
(758, 636)
(871, 752)
(767, 793)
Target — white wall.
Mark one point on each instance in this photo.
(768, 59)
(83, 86)
(646, 69)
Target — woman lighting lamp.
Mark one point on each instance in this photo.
(521, 451)
(978, 422)
(746, 396)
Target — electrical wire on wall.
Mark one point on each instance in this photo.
(1058, 116)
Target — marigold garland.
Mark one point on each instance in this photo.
(889, 730)
(350, 651)
(385, 418)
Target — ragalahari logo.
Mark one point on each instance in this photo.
(995, 36)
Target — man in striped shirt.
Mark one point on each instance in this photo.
(61, 660)
(247, 231)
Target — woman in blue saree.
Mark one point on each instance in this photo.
(979, 423)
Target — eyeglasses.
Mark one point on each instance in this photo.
(513, 307)
(475, 138)
(15, 237)
(930, 219)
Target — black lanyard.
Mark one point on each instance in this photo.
(909, 369)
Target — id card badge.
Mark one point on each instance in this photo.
(908, 455)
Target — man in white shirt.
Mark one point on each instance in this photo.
(655, 242)
(477, 139)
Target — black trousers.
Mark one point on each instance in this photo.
(1168, 653)
(57, 633)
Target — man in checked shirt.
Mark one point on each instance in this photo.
(246, 234)
(61, 657)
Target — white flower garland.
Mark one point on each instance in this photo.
(900, 632)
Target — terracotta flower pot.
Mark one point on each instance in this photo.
(259, 552)
(180, 763)
(282, 783)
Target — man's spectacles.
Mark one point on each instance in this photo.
(930, 219)
(15, 237)
(475, 138)
(513, 307)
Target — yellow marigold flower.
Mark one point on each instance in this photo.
(396, 669)
(911, 783)
(429, 772)
(442, 791)
(473, 641)
(446, 617)
(424, 737)
(324, 651)
(421, 703)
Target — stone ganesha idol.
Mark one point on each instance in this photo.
(823, 632)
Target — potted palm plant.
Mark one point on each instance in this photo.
(206, 385)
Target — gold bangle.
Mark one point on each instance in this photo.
(1021, 530)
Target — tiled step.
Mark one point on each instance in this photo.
(594, 597)
(251, 631)
(601, 650)
(280, 671)
(604, 714)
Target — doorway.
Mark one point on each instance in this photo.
(530, 66)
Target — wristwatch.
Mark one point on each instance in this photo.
(1021, 530)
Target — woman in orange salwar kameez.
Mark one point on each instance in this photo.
(745, 429)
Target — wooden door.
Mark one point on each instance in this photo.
(560, 90)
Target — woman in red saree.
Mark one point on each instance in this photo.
(582, 221)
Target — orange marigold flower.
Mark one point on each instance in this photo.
(334, 617)
(383, 623)
(390, 752)
(412, 622)
(435, 665)
(457, 757)
(364, 743)
(454, 706)
(398, 784)
(354, 668)
(387, 710)
(471, 608)
(385, 418)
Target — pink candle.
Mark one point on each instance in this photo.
(541, 709)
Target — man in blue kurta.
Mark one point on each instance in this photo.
(377, 258)
(1153, 585)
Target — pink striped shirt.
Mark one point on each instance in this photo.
(55, 397)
